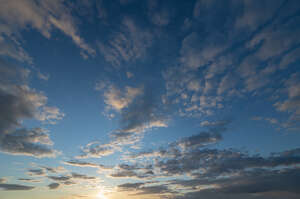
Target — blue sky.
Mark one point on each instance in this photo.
(149, 99)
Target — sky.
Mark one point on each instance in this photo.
(149, 99)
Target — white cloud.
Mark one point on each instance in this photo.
(117, 99)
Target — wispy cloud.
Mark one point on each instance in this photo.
(127, 45)
(44, 16)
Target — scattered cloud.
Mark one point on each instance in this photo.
(20, 102)
(127, 45)
(44, 17)
(15, 187)
(53, 185)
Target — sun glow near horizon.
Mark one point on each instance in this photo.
(100, 195)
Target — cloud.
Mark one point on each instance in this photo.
(43, 76)
(130, 186)
(132, 171)
(59, 178)
(117, 99)
(158, 13)
(139, 112)
(24, 142)
(42, 16)
(292, 103)
(142, 114)
(58, 169)
(77, 163)
(28, 180)
(96, 150)
(53, 185)
(63, 179)
(20, 102)
(200, 140)
(80, 163)
(3, 180)
(15, 187)
(36, 172)
(157, 189)
(128, 45)
(82, 176)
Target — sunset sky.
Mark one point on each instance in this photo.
(149, 99)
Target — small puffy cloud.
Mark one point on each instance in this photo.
(96, 150)
(129, 74)
(58, 169)
(53, 185)
(117, 99)
(43, 76)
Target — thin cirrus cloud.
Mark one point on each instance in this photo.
(42, 16)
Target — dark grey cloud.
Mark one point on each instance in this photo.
(54, 169)
(142, 114)
(156, 189)
(36, 172)
(25, 142)
(200, 140)
(211, 136)
(132, 171)
(96, 150)
(15, 187)
(82, 176)
(28, 180)
(59, 178)
(53, 185)
(130, 186)
(258, 181)
(18, 102)
(63, 179)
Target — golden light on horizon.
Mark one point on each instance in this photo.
(101, 195)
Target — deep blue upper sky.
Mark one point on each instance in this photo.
(149, 99)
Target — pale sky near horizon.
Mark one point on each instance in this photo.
(146, 99)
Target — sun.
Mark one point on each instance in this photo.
(100, 195)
